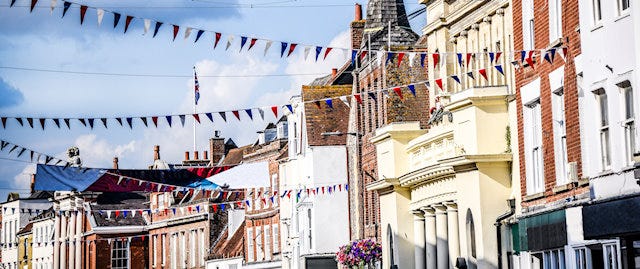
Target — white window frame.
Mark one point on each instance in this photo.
(621, 9)
(604, 129)
(560, 136)
(597, 12)
(163, 242)
(528, 29)
(609, 249)
(259, 245)
(183, 245)
(155, 250)
(250, 249)
(192, 247)
(628, 120)
(535, 175)
(174, 250)
(555, 20)
(267, 242)
(276, 238)
(119, 245)
(554, 259)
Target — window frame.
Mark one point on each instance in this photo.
(120, 247)
(628, 120)
(535, 184)
(604, 129)
(555, 20)
(621, 9)
(250, 244)
(560, 136)
(597, 12)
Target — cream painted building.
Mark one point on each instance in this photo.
(446, 192)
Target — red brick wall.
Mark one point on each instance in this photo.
(525, 75)
(324, 119)
(97, 251)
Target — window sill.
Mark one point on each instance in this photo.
(625, 14)
(532, 197)
(564, 187)
(597, 27)
(556, 43)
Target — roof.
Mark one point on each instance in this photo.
(234, 156)
(47, 214)
(343, 77)
(26, 229)
(119, 201)
(379, 14)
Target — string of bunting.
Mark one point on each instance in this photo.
(286, 47)
(72, 241)
(36, 157)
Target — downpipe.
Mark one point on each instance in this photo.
(498, 224)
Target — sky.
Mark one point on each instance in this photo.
(153, 76)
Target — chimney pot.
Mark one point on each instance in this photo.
(33, 183)
(334, 72)
(186, 155)
(205, 155)
(156, 152)
(196, 156)
(358, 16)
(115, 162)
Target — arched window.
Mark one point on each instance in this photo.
(471, 240)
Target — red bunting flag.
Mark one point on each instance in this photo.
(439, 82)
(363, 54)
(289, 194)
(176, 29)
(33, 4)
(196, 117)
(468, 59)
(498, 56)
(83, 11)
(127, 21)
(218, 36)
(398, 91)
(117, 213)
(322, 189)
(236, 113)
(436, 59)
(253, 42)
(155, 120)
(292, 47)
(274, 109)
(215, 208)
(483, 72)
(326, 52)
(358, 98)
(400, 56)
(530, 59)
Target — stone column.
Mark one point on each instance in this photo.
(453, 233)
(79, 221)
(418, 238)
(442, 245)
(63, 243)
(72, 242)
(56, 242)
(430, 236)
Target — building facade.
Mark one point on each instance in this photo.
(43, 224)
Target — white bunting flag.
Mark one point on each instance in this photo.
(306, 52)
(159, 187)
(261, 111)
(53, 5)
(412, 55)
(182, 210)
(133, 213)
(187, 32)
(120, 180)
(108, 214)
(229, 41)
(345, 101)
(100, 13)
(147, 24)
(267, 45)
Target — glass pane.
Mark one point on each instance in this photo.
(604, 112)
(628, 97)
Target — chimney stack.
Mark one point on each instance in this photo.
(186, 155)
(156, 152)
(115, 162)
(216, 148)
(357, 28)
(358, 16)
(196, 156)
(33, 183)
(334, 72)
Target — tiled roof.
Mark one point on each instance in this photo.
(379, 14)
(26, 229)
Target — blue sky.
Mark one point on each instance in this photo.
(41, 40)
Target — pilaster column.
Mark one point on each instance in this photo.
(418, 239)
(442, 245)
(56, 241)
(79, 221)
(430, 236)
(453, 233)
(72, 242)
(63, 243)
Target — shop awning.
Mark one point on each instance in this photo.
(612, 218)
(540, 232)
(60, 178)
(247, 175)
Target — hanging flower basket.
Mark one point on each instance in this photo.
(359, 254)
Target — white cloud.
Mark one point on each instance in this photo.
(96, 152)
(23, 180)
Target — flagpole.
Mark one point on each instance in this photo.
(194, 109)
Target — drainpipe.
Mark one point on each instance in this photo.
(498, 224)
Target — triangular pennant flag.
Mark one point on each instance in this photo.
(116, 19)
(499, 68)
(439, 82)
(33, 4)
(436, 59)
(398, 91)
(20, 121)
(182, 118)
(222, 207)
(155, 30)
(274, 109)
(31, 156)
(498, 56)
(66, 121)
(353, 57)
(21, 151)
(90, 120)
(523, 54)
(252, 43)
(422, 57)
(372, 96)
(363, 54)
(292, 47)
(130, 122)
(154, 119)
(283, 48)
(12, 3)
(470, 74)
(563, 53)
(84, 123)
(267, 45)
(552, 51)
(243, 41)
(412, 89)
(176, 29)
(345, 101)
(318, 51)
(459, 59)
(65, 7)
(13, 148)
(223, 115)
(127, 22)
(290, 108)
(307, 49)
(56, 121)
(196, 117)
(389, 57)
(236, 113)
(469, 59)
(412, 56)
(53, 5)
(456, 78)
(217, 39)
(198, 35)
(483, 73)
(104, 122)
(147, 25)
(210, 116)
(358, 98)
(42, 121)
(30, 121)
(168, 118)
(83, 11)
(229, 41)
(317, 103)
(326, 52)
(530, 59)
(261, 112)
(144, 121)
(329, 103)
(400, 56)
(491, 56)
(187, 32)
(249, 113)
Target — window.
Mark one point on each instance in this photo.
(276, 239)
(309, 231)
(161, 201)
(597, 12)
(560, 137)
(628, 121)
(155, 250)
(535, 165)
(183, 244)
(623, 5)
(471, 238)
(601, 96)
(528, 32)
(553, 259)
(174, 251)
(259, 246)
(120, 254)
(555, 20)
(267, 242)
(192, 247)
(163, 248)
(611, 257)
(202, 249)
(250, 250)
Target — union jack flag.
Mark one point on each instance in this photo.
(196, 86)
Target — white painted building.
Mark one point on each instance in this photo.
(43, 229)
(15, 216)
(313, 225)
